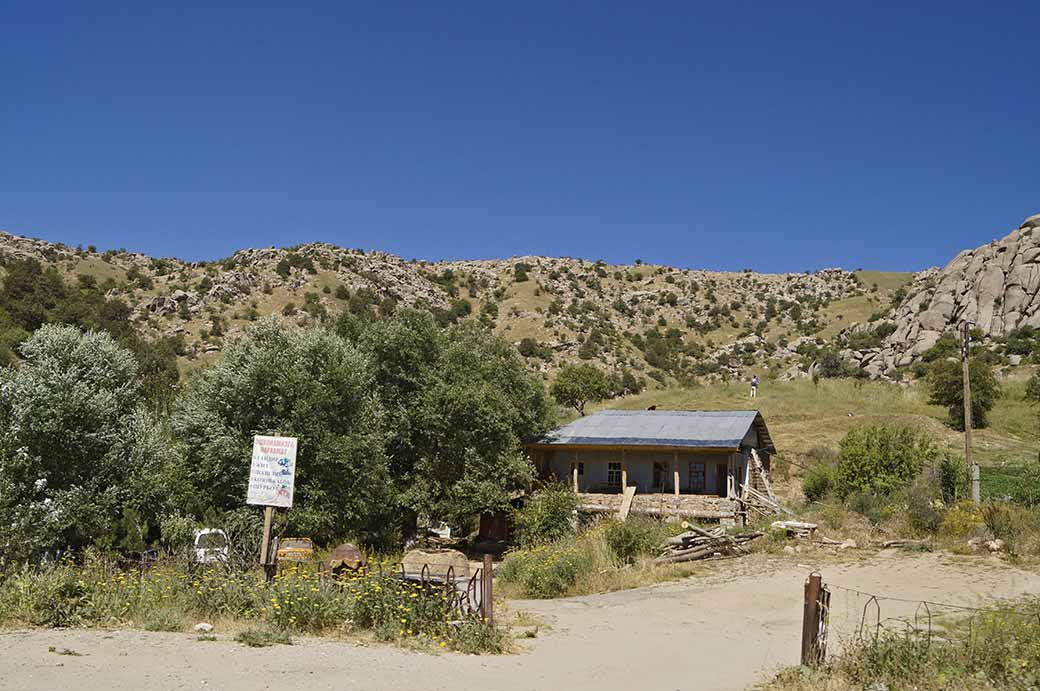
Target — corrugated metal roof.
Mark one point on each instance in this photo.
(673, 428)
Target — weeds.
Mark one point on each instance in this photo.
(168, 597)
(1000, 649)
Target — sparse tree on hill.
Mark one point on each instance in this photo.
(578, 385)
(946, 381)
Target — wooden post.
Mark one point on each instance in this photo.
(624, 472)
(574, 477)
(675, 473)
(965, 352)
(811, 620)
(486, 595)
(268, 519)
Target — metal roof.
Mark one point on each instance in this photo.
(719, 429)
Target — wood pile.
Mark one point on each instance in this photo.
(697, 543)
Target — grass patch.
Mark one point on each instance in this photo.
(263, 638)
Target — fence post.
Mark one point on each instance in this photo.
(811, 620)
(487, 607)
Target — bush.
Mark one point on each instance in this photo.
(818, 482)
(631, 539)
(872, 507)
(881, 459)
(962, 519)
(547, 515)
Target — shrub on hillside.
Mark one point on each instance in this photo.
(547, 515)
(880, 459)
(636, 537)
(818, 482)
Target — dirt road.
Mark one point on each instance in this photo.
(728, 630)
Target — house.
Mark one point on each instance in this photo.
(685, 463)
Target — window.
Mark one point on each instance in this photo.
(696, 477)
(614, 474)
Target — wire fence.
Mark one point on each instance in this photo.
(857, 617)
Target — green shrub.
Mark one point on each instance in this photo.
(880, 459)
(871, 506)
(547, 515)
(631, 539)
(818, 482)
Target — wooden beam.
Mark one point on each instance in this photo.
(675, 473)
(624, 471)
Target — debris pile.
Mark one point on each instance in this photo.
(696, 544)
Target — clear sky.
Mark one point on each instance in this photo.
(774, 136)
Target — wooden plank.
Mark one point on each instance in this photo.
(626, 502)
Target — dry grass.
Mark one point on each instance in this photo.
(802, 416)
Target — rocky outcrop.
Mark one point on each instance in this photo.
(994, 287)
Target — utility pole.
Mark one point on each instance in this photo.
(973, 469)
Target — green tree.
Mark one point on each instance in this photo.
(946, 380)
(308, 384)
(69, 433)
(879, 459)
(1033, 387)
(475, 415)
(578, 385)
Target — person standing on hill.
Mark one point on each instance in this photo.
(754, 386)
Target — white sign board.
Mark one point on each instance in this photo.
(272, 473)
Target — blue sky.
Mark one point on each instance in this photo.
(775, 136)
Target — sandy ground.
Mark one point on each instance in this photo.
(729, 629)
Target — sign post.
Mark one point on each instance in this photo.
(272, 478)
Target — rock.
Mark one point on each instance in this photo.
(1031, 222)
(995, 545)
(976, 543)
(848, 544)
(161, 304)
(203, 627)
(788, 549)
(1015, 361)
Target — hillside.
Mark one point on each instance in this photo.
(659, 320)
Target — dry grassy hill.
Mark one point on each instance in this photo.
(667, 321)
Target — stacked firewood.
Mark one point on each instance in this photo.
(697, 543)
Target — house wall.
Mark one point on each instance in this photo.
(640, 466)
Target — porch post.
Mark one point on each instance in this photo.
(675, 472)
(574, 473)
(624, 471)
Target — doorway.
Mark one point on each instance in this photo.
(722, 479)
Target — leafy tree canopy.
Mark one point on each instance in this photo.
(578, 385)
(945, 378)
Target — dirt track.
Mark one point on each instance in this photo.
(727, 630)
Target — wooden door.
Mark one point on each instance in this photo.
(722, 479)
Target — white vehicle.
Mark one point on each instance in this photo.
(211, 546)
